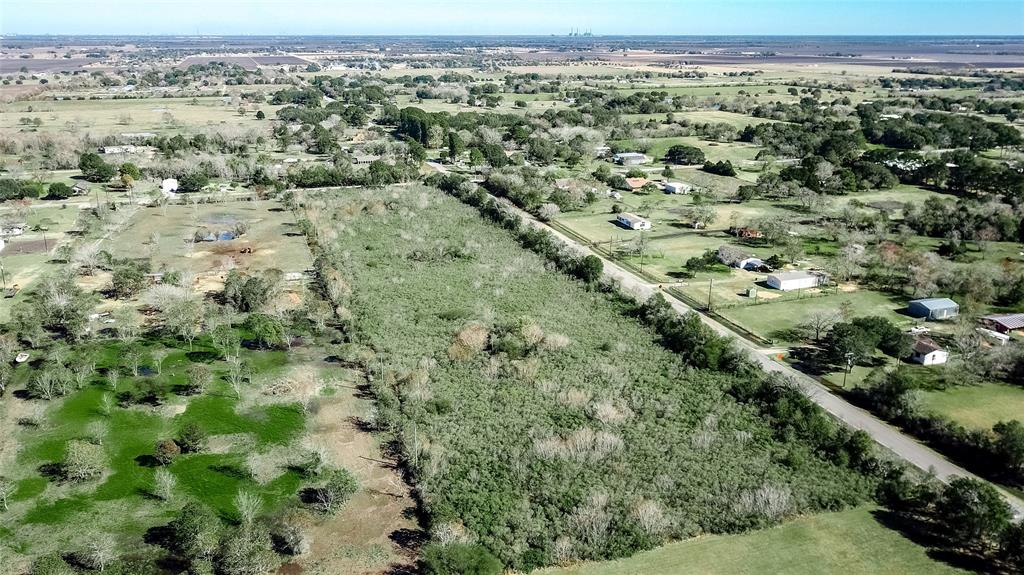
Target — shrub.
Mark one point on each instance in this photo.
(192, 438)
(166, 451)
(195, 532)
(84, 461)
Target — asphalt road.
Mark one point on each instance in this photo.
(889, 437)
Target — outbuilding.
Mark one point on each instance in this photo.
(1004, 323)
(630, 158)
(933, 308)
(633, 221)
(169, 185)
(794, 280)
(677, 188)
(79, 189)
(927, 352)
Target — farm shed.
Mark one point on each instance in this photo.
(933, 308)
(630, 159)
(788, 281)
(677, 188)
(633, 221)
(927, 352)
(169, 185)
(1004, 323)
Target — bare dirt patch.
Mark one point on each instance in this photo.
(364, 538)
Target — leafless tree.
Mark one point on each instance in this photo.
(164, 484)
(7, 489)
(249, 506)
(819, 322)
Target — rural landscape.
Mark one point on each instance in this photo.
(568, 304)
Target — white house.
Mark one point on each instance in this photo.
(927, 352)
(633, 221)
(677, 188)
(631, 158)
(750, 263)
(788, 281)
(128, 149)
(169, 185)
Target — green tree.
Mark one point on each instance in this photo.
(260, 115)
(265, 329)
(1009, 444)
(195, 533)
(591, 268)
(685, 155)
(58, 191)
(193, 182)
(94, 168)
(130, 169)
(972, 512)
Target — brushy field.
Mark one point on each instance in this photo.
(538, 418)
(852, 542)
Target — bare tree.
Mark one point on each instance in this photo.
(7, 488)
(159, 355)
(819, 322)
(164, 484)
(249, 506)
(100, 553)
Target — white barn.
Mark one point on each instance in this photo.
(788, 281)
(677, 188)
(633, 221)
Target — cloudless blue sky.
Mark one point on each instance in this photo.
(683, 17)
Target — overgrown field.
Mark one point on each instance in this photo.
(537, 417)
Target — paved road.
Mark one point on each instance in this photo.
(884, 434)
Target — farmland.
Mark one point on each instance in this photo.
(324, 306)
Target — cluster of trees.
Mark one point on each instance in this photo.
(937, 129)
(967, 517)
(378, 173)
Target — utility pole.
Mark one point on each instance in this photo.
(711, 283)
(3, 275)
(849, 366)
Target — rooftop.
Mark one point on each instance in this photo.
(794, 275)
(1007, 320)
(935, 302)
(926, 345)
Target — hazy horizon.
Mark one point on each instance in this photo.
(525, 18)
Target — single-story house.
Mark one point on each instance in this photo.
(677, 188)
(169, 185)
(11, 230)
(799, 279)
(926, 352)
(360, 158)
(129, 149)
(633, 221)
(933, 308)
(636, 183)
(631, 158)
(1004, 323)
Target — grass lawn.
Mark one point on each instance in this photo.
(850, 542)
(769, 320)
(977, 406)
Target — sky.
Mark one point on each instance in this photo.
(452, 17)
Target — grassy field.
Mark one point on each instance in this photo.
(770, 320)
(158, 115)
(850, 542)
(977, 406)
(272, 237)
